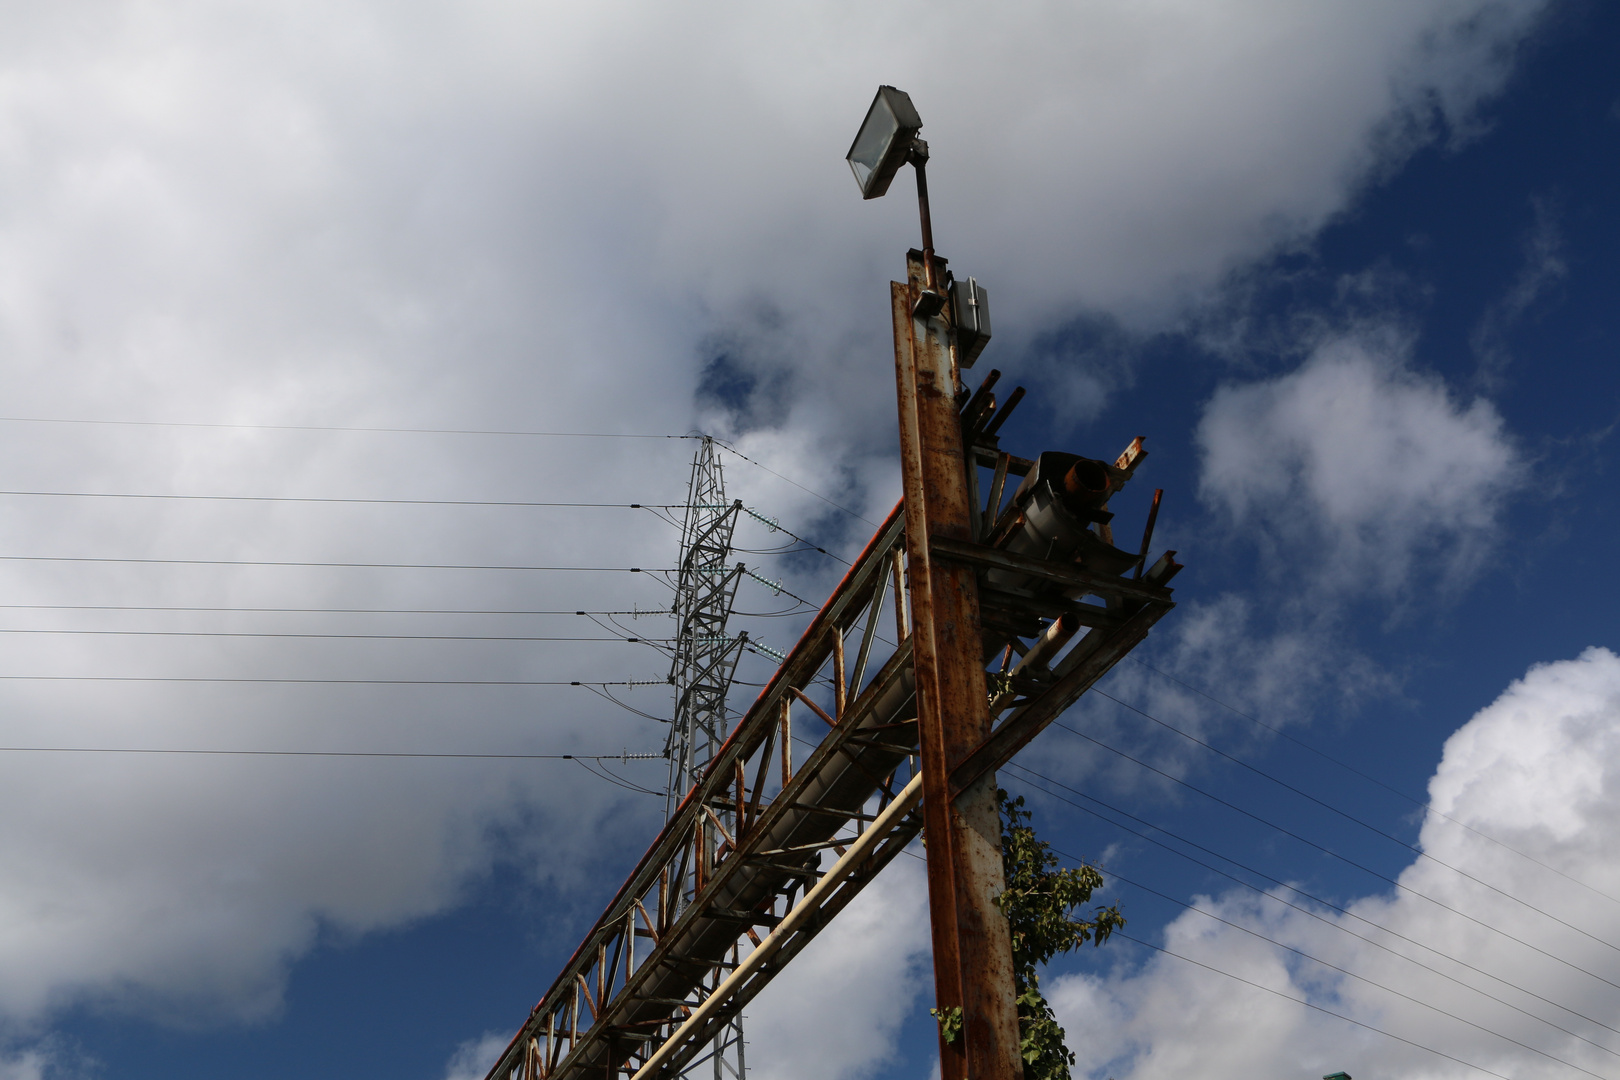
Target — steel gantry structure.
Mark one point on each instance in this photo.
(1003, 610)
(697, 931)
(704, 662)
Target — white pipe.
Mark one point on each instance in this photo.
(902, 804)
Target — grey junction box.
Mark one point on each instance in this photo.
(970, 309)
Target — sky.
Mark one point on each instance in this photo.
(337, 339)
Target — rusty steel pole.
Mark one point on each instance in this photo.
(972, 943)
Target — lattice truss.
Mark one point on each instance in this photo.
(774, 839)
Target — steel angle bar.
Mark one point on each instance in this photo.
(698, 542)
(899, 838)
(994, 559)
(1049, 607)
(1085, 664)
(858, 852)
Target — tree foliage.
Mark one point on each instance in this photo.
(1039, 903)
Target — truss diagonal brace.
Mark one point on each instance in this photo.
(802, 912)
(1031, 719)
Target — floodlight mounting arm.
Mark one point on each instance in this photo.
(919, 160)
(918, 157)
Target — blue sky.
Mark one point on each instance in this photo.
(1349, 268)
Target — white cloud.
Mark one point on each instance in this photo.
(28, 1065)
(1221, 672)
(859, 979)
(474, 1058)
(515, 216)
(1537, 770)
(1543, 270)
(1360, 468)
(49, 1058)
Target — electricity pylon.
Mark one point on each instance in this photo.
(704, 662)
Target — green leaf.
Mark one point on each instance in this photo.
(950, 1023)
(1039, 902)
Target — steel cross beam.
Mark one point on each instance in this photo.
(800, 835)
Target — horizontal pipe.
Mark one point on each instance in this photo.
(902, 804)
(1057, 635)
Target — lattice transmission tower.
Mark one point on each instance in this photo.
(704, 663)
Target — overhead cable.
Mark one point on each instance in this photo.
(332, 637)
(346, 428)
(1349, 817)
(837, 506)
(431, 431)
(1115, 875)
(314, 499)
(1342, 858)
(633, 612)
(322, 753)
(1318, 1008)
(338, 565)
(776, 526)
(326, 682)
(1313, 898)
(1426, 807)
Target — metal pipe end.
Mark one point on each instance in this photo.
(1087, 484)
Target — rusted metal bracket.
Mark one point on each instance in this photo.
(1058, 573)
(1031, 718)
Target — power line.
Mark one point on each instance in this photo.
(634, 612)
(323, 753)
(327, 682)
(436, 431)
(333, 637)
(603, 693)
(428, 431)
(837, 506)
(778, 588)
(337, 427)
(776, 526)
(1351, 817)
(603, 773)
(1117, 876)
(1342, 858)
(317, 499)
(1279, 882)
(338, 565)
(1427, 807)
(1318, 1008)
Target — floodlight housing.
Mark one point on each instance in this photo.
(884, 141)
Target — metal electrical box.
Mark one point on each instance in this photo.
(970, 309)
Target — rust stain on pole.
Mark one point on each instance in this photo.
(972, 945)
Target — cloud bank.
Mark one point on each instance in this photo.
(1532, 785)
(1362, 466)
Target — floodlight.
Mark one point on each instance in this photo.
(884, 142)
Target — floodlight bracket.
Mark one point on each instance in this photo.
(929, 303)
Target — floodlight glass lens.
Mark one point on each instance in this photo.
(873, 141)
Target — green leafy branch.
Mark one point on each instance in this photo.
(1038, 902)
